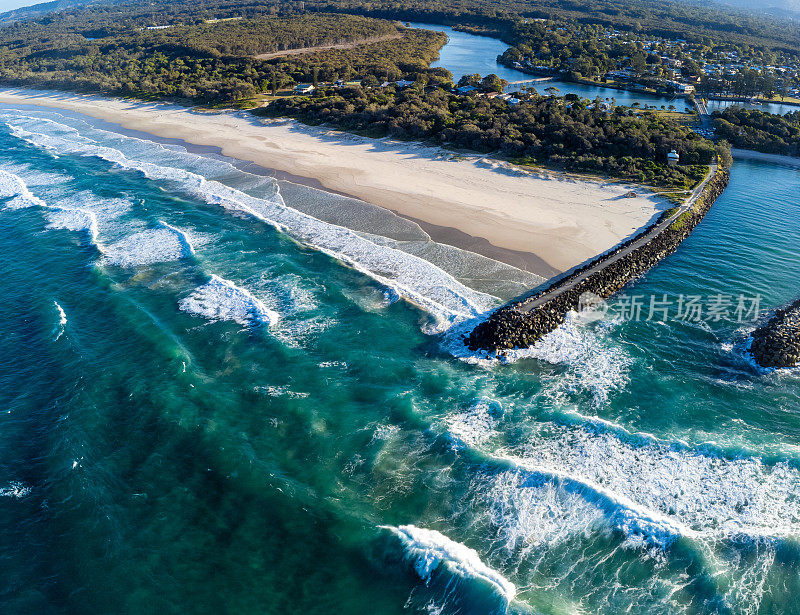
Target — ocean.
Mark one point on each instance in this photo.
(226, 393)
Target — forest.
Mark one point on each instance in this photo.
(207, 62)
(572, 135)
(204, 52)
(756, 130)
(693, 21)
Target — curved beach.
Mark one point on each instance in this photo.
(498, 209)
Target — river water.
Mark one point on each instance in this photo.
(217, 398)
(466, 54)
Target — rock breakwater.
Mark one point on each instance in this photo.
(777, 343)
(516, 326)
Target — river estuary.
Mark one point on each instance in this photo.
(203, 414)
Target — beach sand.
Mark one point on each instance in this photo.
(542, 221)
(748, 154)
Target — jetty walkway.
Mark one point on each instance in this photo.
(526, 305)
(526, 319)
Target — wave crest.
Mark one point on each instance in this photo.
(428, 549)
(221, 299)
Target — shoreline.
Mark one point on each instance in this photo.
(543, 222)
(750, 154)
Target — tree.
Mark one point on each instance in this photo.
(638, 63)
(473, 80)
(493, 83)
(724, 154)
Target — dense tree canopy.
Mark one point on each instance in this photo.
(208, 62)
(548, 130)
(756, 130)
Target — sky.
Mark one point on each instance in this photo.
(8, 5)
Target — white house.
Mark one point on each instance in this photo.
(673, 158)
(304, 88)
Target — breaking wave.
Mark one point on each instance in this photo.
(430, 551)
(74, 219)
(411, 277)
(58, 331)
(151, 246)
(61, 217)
(221, 299)
(652, 492)
(12, 185)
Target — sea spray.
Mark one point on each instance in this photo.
(58, 331)
(594, 366)
(221, 299)
(429, 550)
(413, 278)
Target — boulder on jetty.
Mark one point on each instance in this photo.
(777, 343)
(514, 326)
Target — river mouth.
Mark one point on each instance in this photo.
(205, 414)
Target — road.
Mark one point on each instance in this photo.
(706, 124)
(533, 303)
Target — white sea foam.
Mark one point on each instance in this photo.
(428, 549)
(281, 391)
(531, 514)
(12, 185)
(413, 278)
(148, 247)
(74, 219)
(35, 178)
(105, 209)
(58, 331)
(656, 493)
(221, 299)
(63, 217)
(594, 366)
(183, 237)
(15, 489)
(476, 424)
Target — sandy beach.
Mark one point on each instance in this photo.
(502, 210)
(748, 154)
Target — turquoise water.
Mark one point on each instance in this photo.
(203, 413)
(465, 54)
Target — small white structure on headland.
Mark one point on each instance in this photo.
(304, 88)
(673, 158)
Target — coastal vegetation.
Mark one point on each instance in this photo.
(577, 51)
(207, 62)
(759, 131)
(550, 130)
(206, 53)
